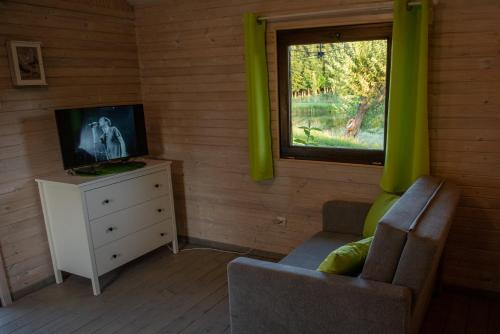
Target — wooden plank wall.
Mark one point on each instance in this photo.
(192, 74)
(465, 134)
(5, 296)
(90, 55)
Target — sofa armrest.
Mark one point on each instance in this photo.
(344, 217)
(268, 297)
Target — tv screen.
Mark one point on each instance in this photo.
(99, 134)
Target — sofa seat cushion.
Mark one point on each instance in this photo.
(311, 253)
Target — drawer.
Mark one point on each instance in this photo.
(132, 246)
(109, 199)
(119, 224)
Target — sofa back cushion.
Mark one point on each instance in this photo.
(378, 209)
(391, 233)
(422, 251)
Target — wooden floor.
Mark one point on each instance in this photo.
(187, 293)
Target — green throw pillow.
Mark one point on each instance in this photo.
(381, 205)
(348, 259)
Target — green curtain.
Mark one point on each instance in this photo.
(259, 127)
(407, 147)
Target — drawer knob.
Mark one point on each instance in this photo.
(157, 185)
(115, 256)
(106, 201)
(162, 234)
(111, 229)
(160, 210)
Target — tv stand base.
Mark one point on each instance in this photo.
(108, 168)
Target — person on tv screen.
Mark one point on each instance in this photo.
(110, 138)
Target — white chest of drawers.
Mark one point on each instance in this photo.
(96, 224)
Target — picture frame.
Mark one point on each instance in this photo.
(26, 63)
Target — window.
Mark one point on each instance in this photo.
(333, 84)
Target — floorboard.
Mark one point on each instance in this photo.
(187, 293)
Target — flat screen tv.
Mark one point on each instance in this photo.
(94, 135)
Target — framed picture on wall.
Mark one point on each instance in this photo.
(26, 63)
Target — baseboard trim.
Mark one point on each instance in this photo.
(471, 291)
(33, 287)
(266, 255)
(230, 247)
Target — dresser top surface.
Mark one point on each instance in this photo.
(78, 180)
